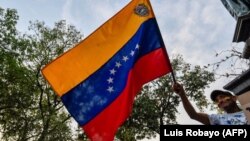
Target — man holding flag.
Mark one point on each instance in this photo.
(99, 78)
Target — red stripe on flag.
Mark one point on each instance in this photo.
(104, 126)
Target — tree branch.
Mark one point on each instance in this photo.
(63, 121)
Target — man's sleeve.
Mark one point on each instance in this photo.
(214, 119)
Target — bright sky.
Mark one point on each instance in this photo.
(196, 29)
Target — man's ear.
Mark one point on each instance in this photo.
(234, 98)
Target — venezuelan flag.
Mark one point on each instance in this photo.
(98, 79)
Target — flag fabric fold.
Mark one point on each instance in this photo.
(99, 78)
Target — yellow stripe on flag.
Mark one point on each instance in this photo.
(74, 66)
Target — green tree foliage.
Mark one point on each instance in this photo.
(158, 104)
(29, 109)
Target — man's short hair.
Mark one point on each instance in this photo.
(215, 93)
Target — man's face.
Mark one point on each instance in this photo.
(225, 102)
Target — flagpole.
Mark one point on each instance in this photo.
(173, 76)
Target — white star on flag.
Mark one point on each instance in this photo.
(110, 89)
(81, 116)
(137, 46)
(110, 80)
(132, 53)
(118, 64)
(112, 71)
(125, 58)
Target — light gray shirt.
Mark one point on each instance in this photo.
(237, 118)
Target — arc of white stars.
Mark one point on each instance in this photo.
(118, 65)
